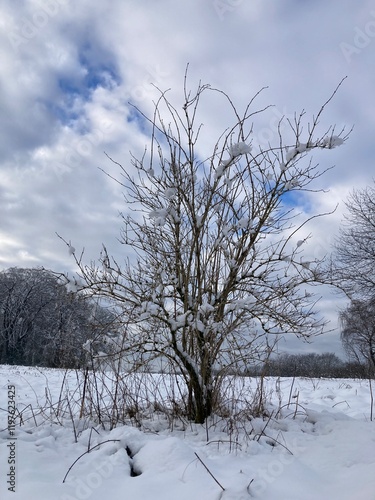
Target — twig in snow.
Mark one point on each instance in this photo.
(93, 448)
(208, 470)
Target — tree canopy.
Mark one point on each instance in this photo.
(215, 270)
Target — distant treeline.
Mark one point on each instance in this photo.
(326, 365)
(42, 323)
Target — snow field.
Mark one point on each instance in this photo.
(318, 442)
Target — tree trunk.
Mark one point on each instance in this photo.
(200, 400)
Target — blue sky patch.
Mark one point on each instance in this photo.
(99, 70)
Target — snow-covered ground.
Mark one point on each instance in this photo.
(321, 448)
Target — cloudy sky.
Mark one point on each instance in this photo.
(70, 68)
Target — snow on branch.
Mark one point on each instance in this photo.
(332, 142)
(238, 149)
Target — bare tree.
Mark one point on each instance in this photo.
(214, 268)
(41, 322)
(354, 253)
(358, 331)
(24, 294)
